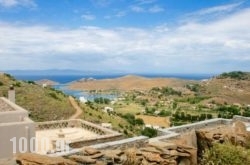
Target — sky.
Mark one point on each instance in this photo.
(127, 36)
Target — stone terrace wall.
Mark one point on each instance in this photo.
(164, 134)
(241, 118)
(74, 123)
(137, 142)
(198, 125)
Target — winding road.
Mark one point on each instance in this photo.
(76, 107)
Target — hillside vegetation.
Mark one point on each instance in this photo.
(178, 101)
(239, 75)
(44, 104)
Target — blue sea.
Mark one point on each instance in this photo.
(63, 81)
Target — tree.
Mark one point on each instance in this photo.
(150, 132)
(174, 105)
(139, 121)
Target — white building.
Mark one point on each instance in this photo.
(82, 99)
(108, 109)
(107, 125)
(16, 129)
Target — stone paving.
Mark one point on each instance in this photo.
(45, 138)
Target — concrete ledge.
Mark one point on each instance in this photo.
(107, 145)
(122, 143)
(198, 125)
(241, 118)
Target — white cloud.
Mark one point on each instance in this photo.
(156, 9)
(189, 47)
(212, 13)
(216, 9)
(146, 6)
(14, 3)
(88, 17)
(153, 9)
(137, 9)
(143, 2)
(121, 14)
(101, 3)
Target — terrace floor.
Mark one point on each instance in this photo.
(45, 138)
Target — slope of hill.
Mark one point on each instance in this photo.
(126, 83)
(46, 81)
(232, 87)
(238, 75)
(44, 104)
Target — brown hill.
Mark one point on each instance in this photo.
(46, 81)
(228, 90)
(129, 82)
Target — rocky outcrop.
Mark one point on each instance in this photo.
(236, 134)
(35, 159)
(153, 153)
(181, 150)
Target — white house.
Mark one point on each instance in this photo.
(44, 85)
(108, 109)
(107, 125)
(82, 99)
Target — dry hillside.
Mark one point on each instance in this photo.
(43, 104)
(228, 90)
(126, 83)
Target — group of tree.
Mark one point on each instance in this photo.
(193, 87)
(185, 117)
(132, 120)
(228, 111)
(101, 100)
(150, 132)
(166, 91)
(239, 75)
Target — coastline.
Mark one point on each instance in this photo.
(65, 79)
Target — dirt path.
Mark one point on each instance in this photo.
(76, 107)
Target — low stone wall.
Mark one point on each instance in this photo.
(74, 123)
(241, 118)
(198, 125)
(137, 142)
(99, 139)
(164, 134)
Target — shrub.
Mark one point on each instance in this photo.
(120, 125)
(31, 82)
(125, 132)
(53, 95)
(139, 121)
(235, 75)
(130, 118)
(17, 84)
(225, 154)
(165, 113)
(101, 100)
(150, 132)
(1, 83)
(9, 76)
